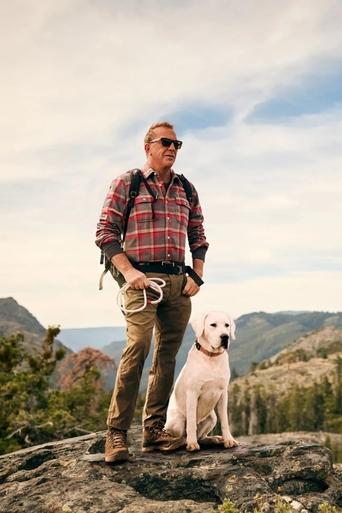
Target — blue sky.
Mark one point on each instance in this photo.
(254, 90)
(318, 91)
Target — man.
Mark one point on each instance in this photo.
(159, 223)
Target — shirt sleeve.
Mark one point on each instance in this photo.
(196, 236)
(110, 225)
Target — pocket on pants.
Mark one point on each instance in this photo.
(183, 282)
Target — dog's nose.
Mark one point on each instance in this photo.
(224, 340)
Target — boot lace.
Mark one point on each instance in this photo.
(159, 430)
(158, 427)
(117, 438)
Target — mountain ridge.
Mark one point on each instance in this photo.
(16, 318)
(260, 335)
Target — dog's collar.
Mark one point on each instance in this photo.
(204, 351)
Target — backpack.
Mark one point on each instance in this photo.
(136, 179)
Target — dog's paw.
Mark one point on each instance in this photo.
(230, 442)
(192, 446)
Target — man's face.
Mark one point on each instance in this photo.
(158, 156)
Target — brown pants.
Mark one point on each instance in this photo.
(169, 319)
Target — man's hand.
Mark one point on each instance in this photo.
(191, 288)
(136, 279)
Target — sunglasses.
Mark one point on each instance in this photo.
(166, 142)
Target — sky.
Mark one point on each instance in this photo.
(254, 90)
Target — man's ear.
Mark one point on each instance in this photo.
(198, 324)
(232, 328)
(147, 148)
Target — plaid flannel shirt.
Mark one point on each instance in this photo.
(157, 227)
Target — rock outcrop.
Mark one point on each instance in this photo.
(70, 476)
(75, 365)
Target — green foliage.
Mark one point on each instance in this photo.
(254, 366)
(325, 507)
(282, 506)
(338, 402)
(314, 408)
(228, 506)
(299, 355)
(31, 411)
(335, 449)
(322, 353)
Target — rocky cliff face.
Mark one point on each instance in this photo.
(15, 318)
(71, 477)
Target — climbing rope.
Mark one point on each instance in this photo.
(120, 299)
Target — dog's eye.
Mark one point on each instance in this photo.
(213, 324)
(227, 325)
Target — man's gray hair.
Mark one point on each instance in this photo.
(150, 134)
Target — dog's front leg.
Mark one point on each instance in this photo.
(222, 410)
(191, 421)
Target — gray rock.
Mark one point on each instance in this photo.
(70, 476)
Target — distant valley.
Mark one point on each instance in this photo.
(79, 338)
(260, 336)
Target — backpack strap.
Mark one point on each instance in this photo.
(186, 186)
(134, 187)
(136, 178)
(188, 191)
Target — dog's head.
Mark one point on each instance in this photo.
(214, 329)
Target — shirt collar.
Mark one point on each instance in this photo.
(147, 171)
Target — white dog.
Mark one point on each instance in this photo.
(202, 384)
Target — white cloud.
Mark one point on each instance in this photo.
(79, 70)
(81, 82)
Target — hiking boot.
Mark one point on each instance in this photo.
(155, 438)
(116, 448)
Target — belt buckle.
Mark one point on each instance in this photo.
(180, 269)
(177, 267)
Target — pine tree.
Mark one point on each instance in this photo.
(295, 408)
(31, 411)
(338, 391)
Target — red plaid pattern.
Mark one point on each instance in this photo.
(157, 227)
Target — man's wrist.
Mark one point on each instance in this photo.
(131, 274)
(197, 265)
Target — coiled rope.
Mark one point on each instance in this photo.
(120, 299)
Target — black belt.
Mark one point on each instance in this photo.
(168, 268)
(160, 267)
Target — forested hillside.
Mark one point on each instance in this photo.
(298, 389)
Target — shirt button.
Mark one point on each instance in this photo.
(168, 237)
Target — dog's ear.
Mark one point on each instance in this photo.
(232, 329)
(198, 324)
